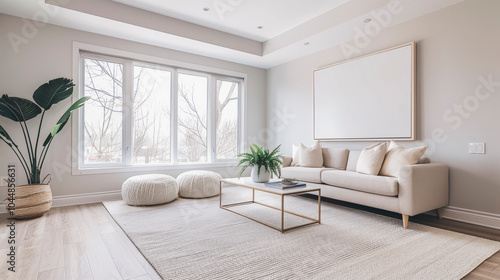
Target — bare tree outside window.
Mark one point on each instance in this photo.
(104, 111)
(192, 116)
(148, 96)
(151, 126)
(227, 119)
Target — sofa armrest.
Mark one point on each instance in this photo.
(287, 161)
(423, 187)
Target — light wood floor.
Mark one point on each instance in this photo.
(83, 242)
(76, 242)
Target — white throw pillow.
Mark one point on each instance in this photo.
(371, 159)
(295, 155)
(398, 156)
(310, 156)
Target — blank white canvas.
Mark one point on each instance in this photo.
(366, 98)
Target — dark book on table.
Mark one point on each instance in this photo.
(281, 186)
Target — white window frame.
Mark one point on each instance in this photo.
(176, 115)
(240, 117)
(129, 60)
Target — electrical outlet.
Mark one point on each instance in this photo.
(477, 148)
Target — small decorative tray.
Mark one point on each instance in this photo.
(288, 181)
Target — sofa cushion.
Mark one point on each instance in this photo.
(352, 160)
(286, 161)
(424, 160)
(312, 175)
(371, 159)
(310, 156)
(295, 155)
(398, 156)
(335, 158)
(381, 185)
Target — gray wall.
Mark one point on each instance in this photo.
(455, 46)
(48, 55)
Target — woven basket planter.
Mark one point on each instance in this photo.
(31, 201)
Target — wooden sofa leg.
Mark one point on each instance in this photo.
(405, 221)
(438, 212)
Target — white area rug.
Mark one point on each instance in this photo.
(195, 239)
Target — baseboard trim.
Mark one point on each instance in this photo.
(68, 200)
(472, 217)
(78, 199)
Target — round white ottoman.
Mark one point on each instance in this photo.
(199, 184)
(149, 189)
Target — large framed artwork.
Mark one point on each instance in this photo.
(367, 98)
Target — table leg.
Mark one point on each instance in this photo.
(282, 213)
(220, 194)
(253, 195)
(319, 206)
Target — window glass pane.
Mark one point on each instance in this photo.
(227, 119)
(151, 126)
(192, 118)
(103, 112)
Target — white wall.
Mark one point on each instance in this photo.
(48, 55)
(455, 46)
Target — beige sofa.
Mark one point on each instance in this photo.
(419, 188)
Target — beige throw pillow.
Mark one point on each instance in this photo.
(295, 155)
(398, 156)
(310, 156)
(371, 159)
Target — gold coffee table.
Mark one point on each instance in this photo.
(249, 184)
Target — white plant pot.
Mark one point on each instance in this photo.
(264, 176)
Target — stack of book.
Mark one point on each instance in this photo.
(280, 185)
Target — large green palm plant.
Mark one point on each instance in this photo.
(21, 110)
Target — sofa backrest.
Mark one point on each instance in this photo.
(335, 158)
(352, 161)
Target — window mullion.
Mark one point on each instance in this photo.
(241, 117)
(81, 120)
(211, 119)
(174, 97)
(128, 112)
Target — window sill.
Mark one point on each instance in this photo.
(142, 168)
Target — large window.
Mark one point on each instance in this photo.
(148, 114)
(192, 118)
(227, 119)
(104, 112)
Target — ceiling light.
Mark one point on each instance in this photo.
(260, 27)
(368, 20)
(306, 43)
(206, 9)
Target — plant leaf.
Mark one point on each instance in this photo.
(47, 140)
(18, 109)
(64, 119)
(6, 136)
(53, 92)
(242, 170)
(261, 157)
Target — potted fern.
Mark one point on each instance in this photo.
(263, 162)
(35, 199)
